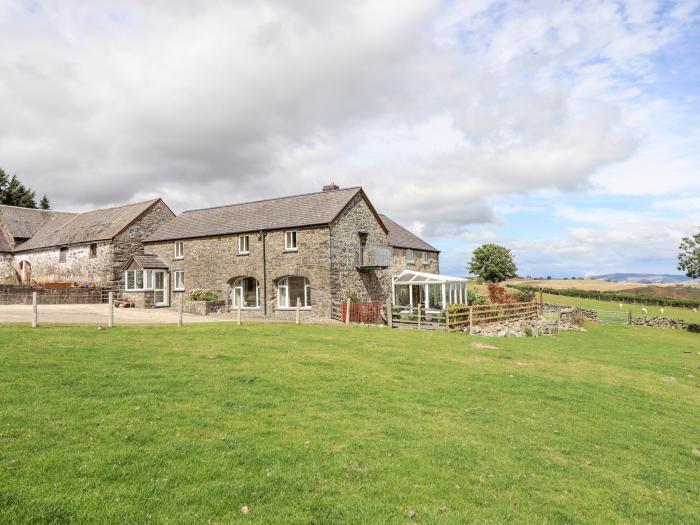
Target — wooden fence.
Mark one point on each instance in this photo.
(363, 313)
(459, 318)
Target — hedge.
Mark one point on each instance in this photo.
(615, 296)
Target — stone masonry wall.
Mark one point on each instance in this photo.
(130, 241)
(399, 262)
(346, 280)
(7, 271)
(79, 267)
(214, 263)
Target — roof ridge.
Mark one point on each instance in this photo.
(115, 207)
(271, 199)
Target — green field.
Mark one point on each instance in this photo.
(686, 314)
(334, 424)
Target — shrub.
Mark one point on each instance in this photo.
(694, 327)
(525, 295)
(499, 295)
(473, 299)
(202, 295)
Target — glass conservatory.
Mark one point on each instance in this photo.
(429, 290)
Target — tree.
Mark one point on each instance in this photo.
(14, 193)
(492, 263)
(45, 204)
(689, 256)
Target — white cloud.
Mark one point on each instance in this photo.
(438, 109)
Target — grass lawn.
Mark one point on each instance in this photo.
(686, 314)
(334, 424)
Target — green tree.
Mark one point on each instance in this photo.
(689, 256)
(44, 204)
(14, 193)
(492, 263)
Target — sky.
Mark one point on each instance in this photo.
(566, 131)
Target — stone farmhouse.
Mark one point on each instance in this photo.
(90, 248)
(264, 256)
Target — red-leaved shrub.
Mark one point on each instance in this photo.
(499, 295)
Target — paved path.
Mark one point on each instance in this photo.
(97, 314)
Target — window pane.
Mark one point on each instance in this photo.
(402, 296)
(296, 290)
(435, 296)
(283, 295)
(138, 276)
(250, 296)
(308, 295)
(130, 280)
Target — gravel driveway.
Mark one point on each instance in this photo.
(97, 314)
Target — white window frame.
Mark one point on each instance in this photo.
(178, 250)
(409, 256)
(243, 244)
(178, 275)
(283, 284)
(134, 288)
(238, 294)
(288, 236)
(425, 258)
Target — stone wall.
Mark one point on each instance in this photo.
(660, 322)
(346, 279)
(204, 307)
(399, 262)
(22, 294)
(7, 271)
(140, 299)
(130, 241)
(79, 267)
(214, 263)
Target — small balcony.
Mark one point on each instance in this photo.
(373, 257)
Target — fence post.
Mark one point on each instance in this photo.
(541, 302)
(35, 311)
(238, 311)
(447, 319)
(179, 312)
(471, 320)
(629, 317)
(419, 317)
(298, 307)
(110, 298)
(389, 313)
(347, 311)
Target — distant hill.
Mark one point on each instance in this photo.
(643, 278)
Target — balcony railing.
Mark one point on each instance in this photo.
(372, 256)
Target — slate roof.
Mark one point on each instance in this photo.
(5, 242)
(400, 237)
(148, 262)
(74, 228)
(310, 209)
(25, 222)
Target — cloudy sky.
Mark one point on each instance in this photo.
(569, 132)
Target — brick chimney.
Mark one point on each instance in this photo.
(331, 187)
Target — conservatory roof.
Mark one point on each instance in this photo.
(413, 277)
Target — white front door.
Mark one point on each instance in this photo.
(160, 286)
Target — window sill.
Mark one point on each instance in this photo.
(178, 289)
(234, 308)
(291, 250)
(293, 308)
(243, 253)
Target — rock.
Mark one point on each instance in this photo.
(660, 322)
(696, 452)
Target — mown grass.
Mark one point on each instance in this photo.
(333, 424)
